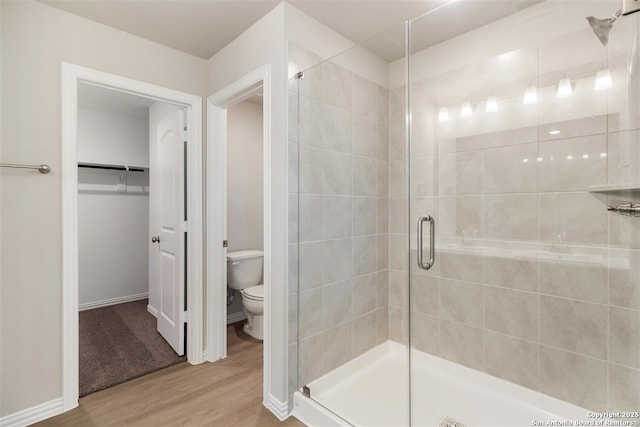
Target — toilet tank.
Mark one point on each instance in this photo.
(244, 269)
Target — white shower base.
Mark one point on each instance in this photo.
(372, 390)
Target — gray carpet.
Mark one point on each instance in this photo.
(119, 343)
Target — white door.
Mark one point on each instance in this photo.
(168, 210)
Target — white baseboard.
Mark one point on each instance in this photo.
(236, 317)
(152, 311)
(279, 409)
(34, 414)
(112, 301)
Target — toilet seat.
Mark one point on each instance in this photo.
(254, 293)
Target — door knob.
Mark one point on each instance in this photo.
(155, 239)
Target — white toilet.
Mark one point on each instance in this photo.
(244, 273)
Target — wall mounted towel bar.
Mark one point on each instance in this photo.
(40, 168)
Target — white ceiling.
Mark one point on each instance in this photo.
(204, 27)
(199, 27)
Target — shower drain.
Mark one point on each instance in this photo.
(450, 422)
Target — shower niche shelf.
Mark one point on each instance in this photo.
(612, 188)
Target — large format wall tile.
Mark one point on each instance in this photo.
(363, 334)
(337, 169)
(624, 278)
(573, 164)
(310, 359)
(337, 83)
(461, 302)
(462, 344)
(461, 266)
(364, 295)
(462, 216)
(512, 359)
(511, 216)
(573, 128)
(511, 312)
(584, 384)
(336, 304)
(311, 315)
(425, 294)
(511, 169)
(623, 157)
(426, 333)
(573, 218)
(624, 392)
(577, 280)
(336, 129)
(573, 325)
(337, 213)
(365, 137)
(624, 337)
(311, 172)
(336, 344)
(311, 265)
(310, 218)
(337, 259)
(511, 272)
(365, 97)
(364, 215)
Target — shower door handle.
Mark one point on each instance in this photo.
(432, 240)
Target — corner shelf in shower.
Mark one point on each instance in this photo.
(613, 188)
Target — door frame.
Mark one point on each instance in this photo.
(72, 75)
(216, 223)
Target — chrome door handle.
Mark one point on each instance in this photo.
(432, 241)
(155, 239)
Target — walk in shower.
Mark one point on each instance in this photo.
(453, 256)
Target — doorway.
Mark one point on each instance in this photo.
(131, 253)
(180, 307)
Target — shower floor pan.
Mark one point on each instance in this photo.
(372, 390)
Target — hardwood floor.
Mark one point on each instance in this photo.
(225, 393)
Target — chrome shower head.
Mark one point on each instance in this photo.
(601, 27)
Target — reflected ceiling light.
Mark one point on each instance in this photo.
(539, 159)
(585, 156)
(466, 110)
(603, 154)
(569, 157)
(525, 160)
(554, 132)
(492, 104)
(564, 88)
(443, 115)
(530, 95)
(603, 80)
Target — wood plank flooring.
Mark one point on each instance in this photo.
(226, 393)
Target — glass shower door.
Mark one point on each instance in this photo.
(350, 237)
(523, 131)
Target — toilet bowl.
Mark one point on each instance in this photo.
(253, 306)
(244, 273)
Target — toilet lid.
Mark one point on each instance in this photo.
(254, 292)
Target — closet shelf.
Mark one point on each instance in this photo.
(107, 166)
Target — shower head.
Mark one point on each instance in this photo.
(601, 27)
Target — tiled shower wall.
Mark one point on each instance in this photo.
(338, 216)
(534, 282)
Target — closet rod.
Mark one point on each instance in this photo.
(40, 168)
(110, 167)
